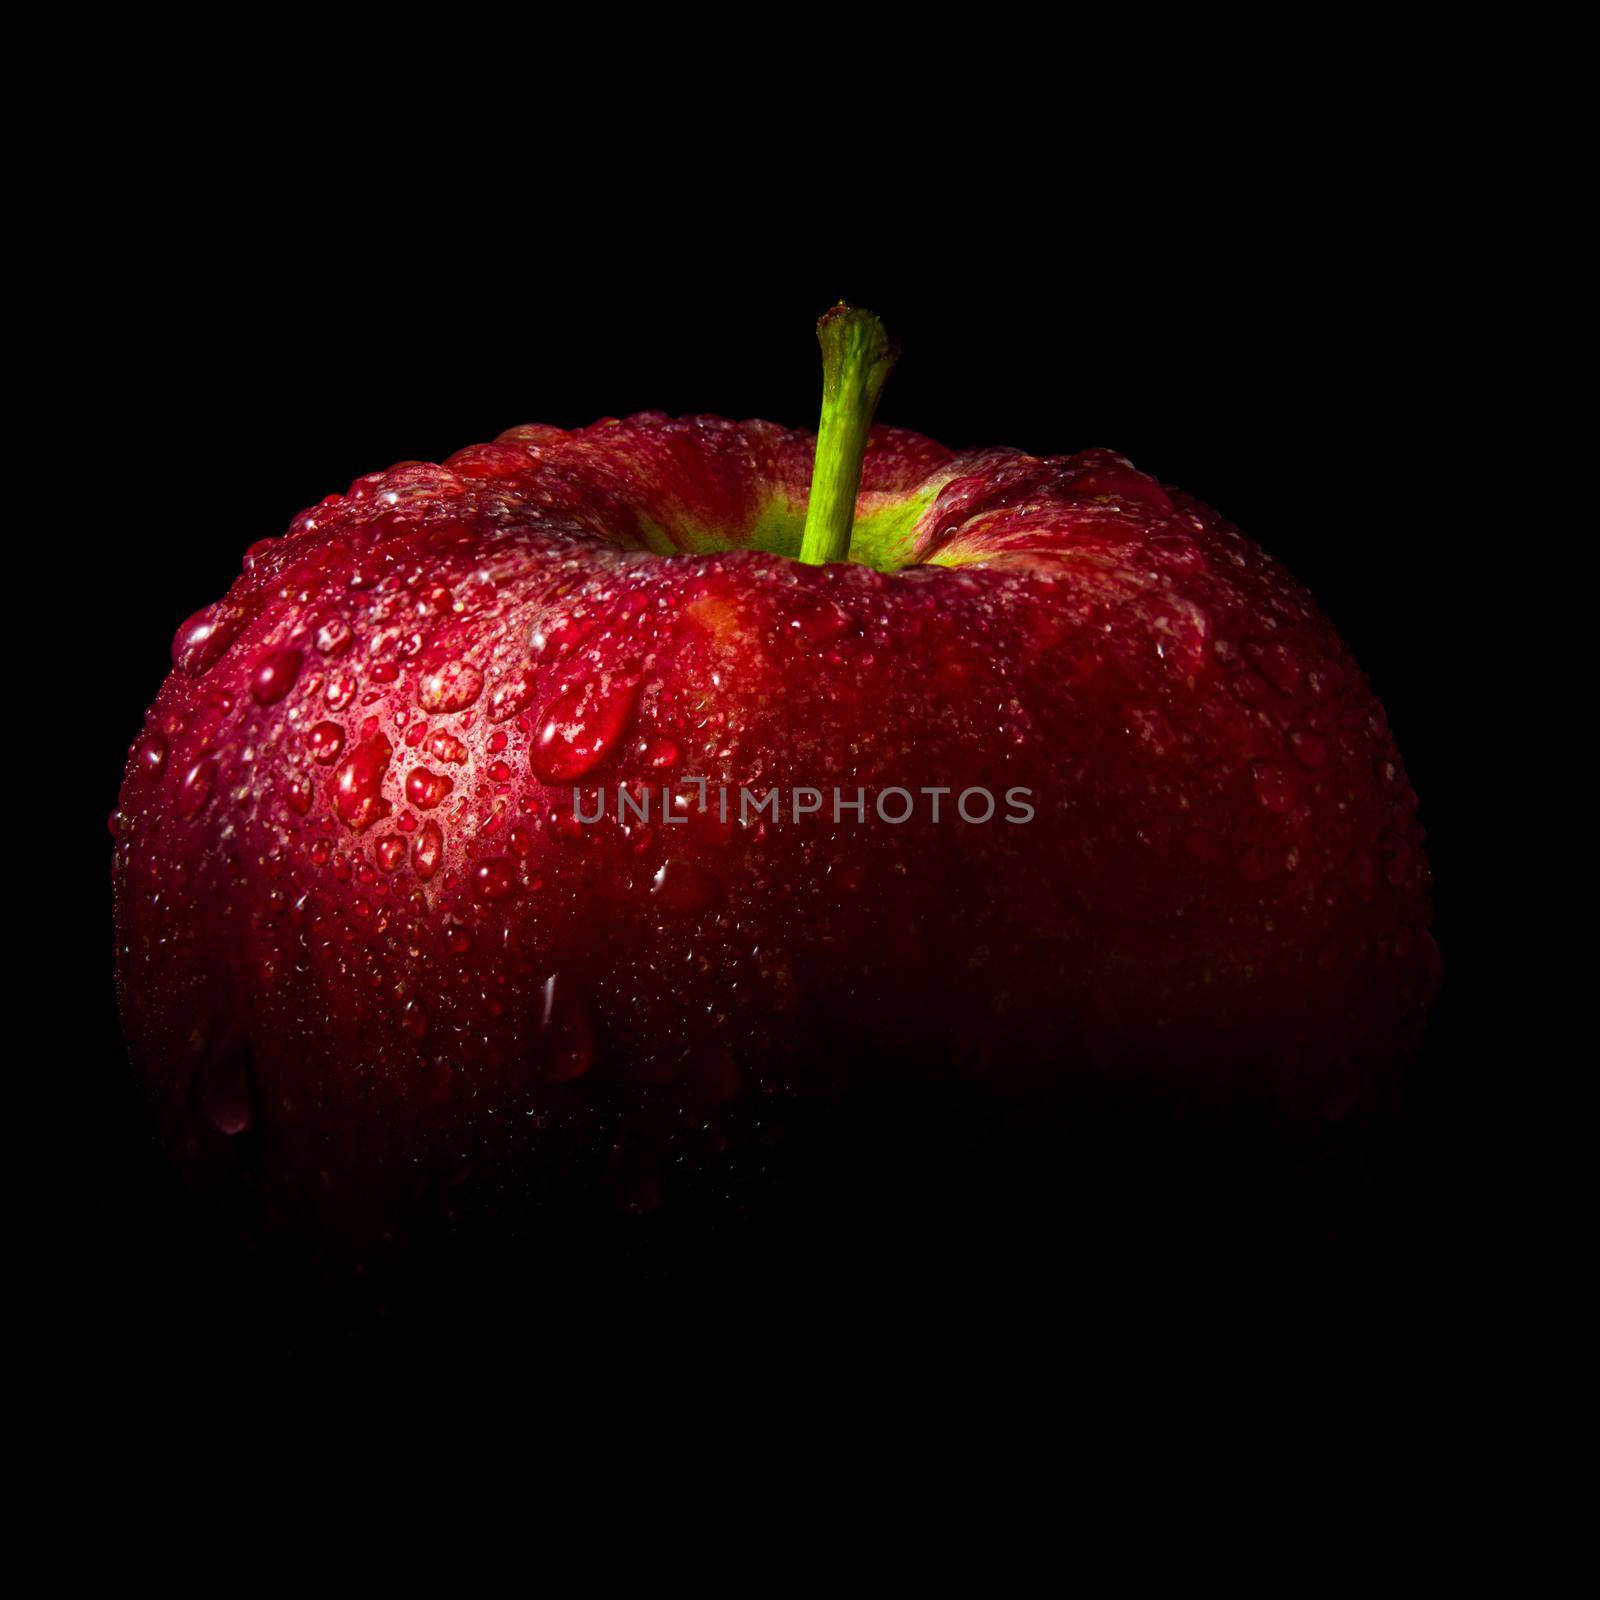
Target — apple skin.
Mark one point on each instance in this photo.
(372, 972)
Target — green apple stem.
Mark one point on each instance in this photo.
(856, 357)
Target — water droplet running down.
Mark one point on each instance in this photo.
(567, 1034)
(221, 1092)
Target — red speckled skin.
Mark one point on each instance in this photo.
(367, 961)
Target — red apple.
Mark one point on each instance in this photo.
(371, 959)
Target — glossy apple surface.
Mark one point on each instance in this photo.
(372, 967)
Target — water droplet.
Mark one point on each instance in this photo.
(221, 1089)
(273, 676)
(512, 695)
(428, 851)
(203, 640)
(297, 793)
(334, 637)
(567, 1033)
(197, 785)
(426, 789)
(820, 625)
(557, 637)
(583, 725)
(341, 689)
(151, 760)
(444, 746)
(254, 556)
(391, 852)
(494, 879)
(450, 687)
(358, 784)
(661, 754)
(325, 741)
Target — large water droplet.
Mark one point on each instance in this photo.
(334, 637)
(450, 687)
(196, 787)
(494, 879)
(325, 741)
(296, 791)
(557, 637)
(203, 640)
(583, 725)
(428, 851)
(443, 746)
(426, 789)
(358, 784)
(512, 695)
(341, 690)
(273, 676)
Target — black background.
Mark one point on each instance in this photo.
(1290, 352)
